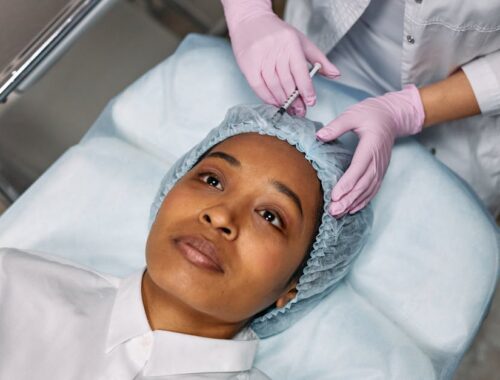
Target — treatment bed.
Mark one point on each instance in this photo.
(411, 305)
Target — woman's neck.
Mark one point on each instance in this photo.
(168, 313)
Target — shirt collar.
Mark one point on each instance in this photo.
(175, 353)
(128, 318)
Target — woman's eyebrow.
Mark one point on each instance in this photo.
(284, 189)
(280, 186)
(227, 157)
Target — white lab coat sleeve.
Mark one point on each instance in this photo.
(484, 76)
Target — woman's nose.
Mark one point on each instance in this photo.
(220, 219)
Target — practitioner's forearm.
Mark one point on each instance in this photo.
(449, 99)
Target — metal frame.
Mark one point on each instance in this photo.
(50, 44)
(7, 191)
(43, 57)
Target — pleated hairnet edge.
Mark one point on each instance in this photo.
(256, 119)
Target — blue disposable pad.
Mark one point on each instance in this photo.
(416, 295)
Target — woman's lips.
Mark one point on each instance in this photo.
(200, 252)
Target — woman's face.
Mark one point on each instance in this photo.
(233, 230)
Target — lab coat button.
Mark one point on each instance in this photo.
(418, 1)
(410, 39)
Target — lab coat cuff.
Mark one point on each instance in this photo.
(485, 82)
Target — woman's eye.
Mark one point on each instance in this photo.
(272, 218)
(211, 180)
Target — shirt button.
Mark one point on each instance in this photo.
(433, 151)
(410, 39)
(418, 1)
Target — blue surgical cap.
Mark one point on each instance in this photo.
(338, 241)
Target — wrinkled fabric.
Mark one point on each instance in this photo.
(393, 317)
(91, 326)
(445, 36)
(337, 243)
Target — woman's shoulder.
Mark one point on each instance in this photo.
(25, 265)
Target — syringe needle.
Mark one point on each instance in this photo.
(294, 96)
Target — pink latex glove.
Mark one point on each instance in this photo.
(377, 122)
(273, 55)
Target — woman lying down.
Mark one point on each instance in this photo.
(241, 246)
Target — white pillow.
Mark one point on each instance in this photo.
(416, 295)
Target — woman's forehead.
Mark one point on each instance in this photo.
(269, 153)
(270, 158)
(257, 147)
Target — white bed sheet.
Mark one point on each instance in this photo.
(415, 297)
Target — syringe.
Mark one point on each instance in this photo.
(295, 94)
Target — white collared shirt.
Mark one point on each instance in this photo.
(375, 45)
(382, 45)
(60, 321)
(437, 37)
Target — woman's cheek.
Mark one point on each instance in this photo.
(267, 258)
(180, 199)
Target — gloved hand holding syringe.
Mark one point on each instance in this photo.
(274, 56)
(294, 96)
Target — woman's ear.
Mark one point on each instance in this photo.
(287, 296)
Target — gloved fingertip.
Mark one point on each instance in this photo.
(333, 72)
(335, 209)
(323, 135)
(337, 194)
(354, 211)
(299, 110)
(358, 208)
(311, 100)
